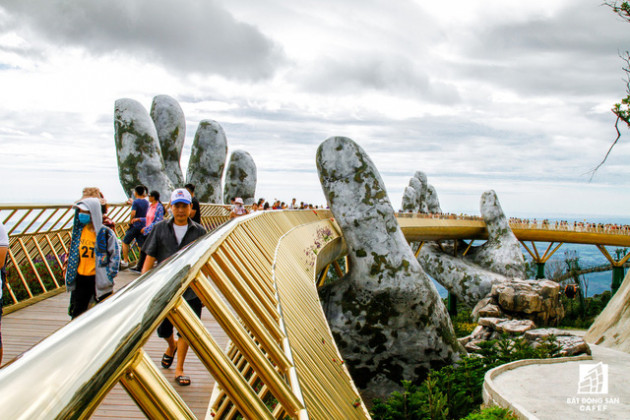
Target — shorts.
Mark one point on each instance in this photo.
(134, 232)
(165, 330)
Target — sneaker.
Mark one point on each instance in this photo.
(124, 265)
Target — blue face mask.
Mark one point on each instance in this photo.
(84, 218)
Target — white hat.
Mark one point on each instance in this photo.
(181, 195)
(238, 200)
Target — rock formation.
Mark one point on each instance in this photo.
(207, 160)
(137, 149)
(170, 125)
(471, 277)
(612, 327)
(240, 178)
(494, 328)
(385, 314)
(535, 300)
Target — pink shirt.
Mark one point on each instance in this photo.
(151, 213)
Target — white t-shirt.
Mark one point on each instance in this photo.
(180, 231)
(4, 237)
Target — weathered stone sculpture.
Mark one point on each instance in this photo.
(386, 315)
(466, 280)
(410, 200)
(137, 149)
(170, 125)
(471, 277)
(422, 192)
(433, 203)
(240, 178)
(502, 252)
(419, 196)
(207, 160)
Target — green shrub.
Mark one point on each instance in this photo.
(593, 306)
(454, 391)
(491, 413)
(17, 286)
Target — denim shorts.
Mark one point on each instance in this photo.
(134, 232)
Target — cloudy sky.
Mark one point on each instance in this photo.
(495, 94)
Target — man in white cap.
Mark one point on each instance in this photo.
(166, 238)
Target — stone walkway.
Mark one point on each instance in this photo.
(550, 391)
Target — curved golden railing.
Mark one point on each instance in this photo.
(40, 236)
(39, 239)
(256, 276)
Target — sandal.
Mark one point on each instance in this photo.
(182, 380)
(167, 360)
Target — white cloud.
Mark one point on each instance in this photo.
(200, 37)
(496, 94)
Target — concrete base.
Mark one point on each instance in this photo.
(548, 389)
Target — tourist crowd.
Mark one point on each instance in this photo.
(575, 226)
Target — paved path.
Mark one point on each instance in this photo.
(550, 391)
(24, 328)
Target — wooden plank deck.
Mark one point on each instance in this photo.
(26, 327)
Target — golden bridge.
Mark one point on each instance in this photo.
(263, 348)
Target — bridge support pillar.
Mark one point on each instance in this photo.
(451, 304)
(618, 269)
(618, 273)
(538, 259)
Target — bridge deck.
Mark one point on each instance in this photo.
(22, 329)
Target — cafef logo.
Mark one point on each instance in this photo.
(593, 379)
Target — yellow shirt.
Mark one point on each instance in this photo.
(87, 261)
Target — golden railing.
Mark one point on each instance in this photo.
(256, 275)
(39, 236)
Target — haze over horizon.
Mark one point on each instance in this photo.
(500, 95)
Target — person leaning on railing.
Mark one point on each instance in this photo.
(238, 209)
(4, 249)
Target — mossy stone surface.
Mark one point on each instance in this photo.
(170, 124)
(138, 151)
(472, 276)
(207, 161)
(240, 178)
(386, 314)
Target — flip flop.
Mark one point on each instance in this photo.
(182, 380)
(167, 360)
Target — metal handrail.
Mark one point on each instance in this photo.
(39, 237)
(232, 261)
(265, 265)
